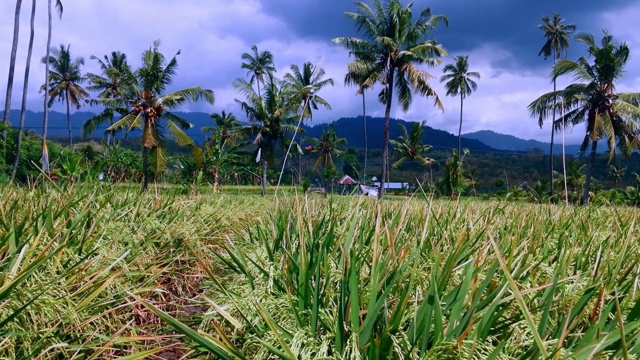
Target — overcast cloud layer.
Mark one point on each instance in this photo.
(498, 35)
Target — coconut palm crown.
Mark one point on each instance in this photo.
(152, 105)
(459, 81)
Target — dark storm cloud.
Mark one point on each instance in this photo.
(509, 24)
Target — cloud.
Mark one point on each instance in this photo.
(498, 35)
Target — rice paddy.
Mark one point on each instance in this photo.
(94, 272)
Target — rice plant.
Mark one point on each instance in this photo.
(356, 279)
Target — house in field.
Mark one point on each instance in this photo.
(393, 185)
(347, 183)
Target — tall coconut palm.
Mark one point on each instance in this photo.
(459, 81)
(363, 84)
(151, 106)
(593, 100)
(392, 47)
(557, 34)
(25, 86)
(45, 119)
(271, 116)
(258, 64)
(409, 146)
(12, 62)
(65, 81)
(305, 84)
(115, 83)
(12, 67)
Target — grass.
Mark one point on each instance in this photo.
(104, 272)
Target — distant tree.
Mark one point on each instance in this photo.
(557, 34)
(409, 146)
(221, 151)
(392, 47)
(363, 84)
(459, 82)
(593, 100)
(45, 119)
(227, 127)
(617, 172)
(151, 106)
(305, 84)
(258, 64)
(328, 146)
(65, 81)
(115, 82)
(271, 116)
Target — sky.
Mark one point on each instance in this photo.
(500, 37)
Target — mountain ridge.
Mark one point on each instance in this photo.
(347, 127)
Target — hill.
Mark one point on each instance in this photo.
(512, 143)
(351, 129)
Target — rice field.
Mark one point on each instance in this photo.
(97, 272)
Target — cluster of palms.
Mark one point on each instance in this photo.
(12, 66)
(276, 112)
(592, 100)
(389, 54)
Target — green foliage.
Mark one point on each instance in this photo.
(453, 183)
(356, 279)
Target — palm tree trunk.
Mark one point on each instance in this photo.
(385, 145)
(264, 177)
(590, 166)
(364, 131)
(410, 176)
(45, 119)
(23, 107)
(12, 62)
(69, 119)
(553, 118)
(460, 127)
(12, 66)
(145, 168)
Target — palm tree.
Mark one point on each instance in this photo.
(327, 146)
(410, 147)
(45, 119)
(271, 115)
(363, 84)
(12, 62)
(593, 100)
(617, 172)
(23, 107)
(557, 34)
(114, 83)
(151, 106)
(65, 79)
(305, 85)
(227, 126)
(459, 82)
(392, 47)
(220, 148)
(258, 65)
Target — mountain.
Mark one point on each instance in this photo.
(58, 123)
(512, 143)
(351, 129)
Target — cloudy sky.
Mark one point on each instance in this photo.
(499, 36)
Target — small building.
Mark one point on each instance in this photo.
(393, 185)
(347, 180)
